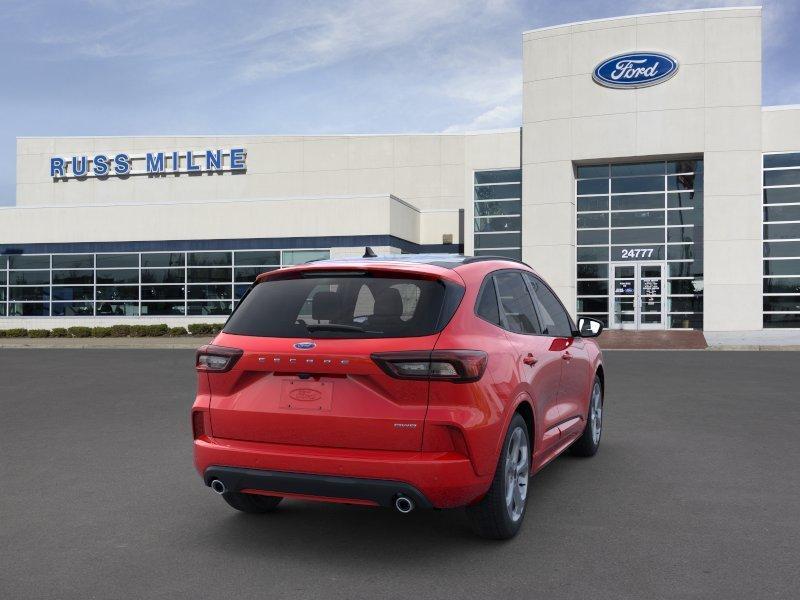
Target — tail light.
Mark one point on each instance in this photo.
(217, 359)
(198, 423)
(458, 366)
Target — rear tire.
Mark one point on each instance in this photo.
(589, 442)
(251, 503)
(500, 512)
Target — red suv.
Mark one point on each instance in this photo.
(410, 381)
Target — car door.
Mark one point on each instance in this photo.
(573, 396)
(538, 368)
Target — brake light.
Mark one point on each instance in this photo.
(217, 359)
(458, 366)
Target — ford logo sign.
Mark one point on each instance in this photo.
(635, 70)
(305, 345)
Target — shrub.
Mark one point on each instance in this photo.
(217, 327)
(101, 332)
(138, 330)
(201, 328)
(80, 332)
(177, 331)
(2, 333)
(16, 332)
(157, 330)
(59, 332)
(38, 333)
(120, 330)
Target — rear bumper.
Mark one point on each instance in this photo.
(432, 479)
(370, 491)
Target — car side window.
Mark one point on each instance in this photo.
(555, 321)
(486, 307)
(516, 305)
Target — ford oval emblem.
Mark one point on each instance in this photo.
(305, 345)
(635, 70)
(305, 395)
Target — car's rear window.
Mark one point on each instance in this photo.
(350, 306)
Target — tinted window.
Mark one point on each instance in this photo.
(516, 304)
(555, 321)
(487, 308)
(353, 307)
(113, 261)
(73, 261)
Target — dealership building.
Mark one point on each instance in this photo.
(647, 184)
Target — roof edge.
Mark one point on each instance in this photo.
(268, 135)
(652, 14)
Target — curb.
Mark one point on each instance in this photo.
(105, 343)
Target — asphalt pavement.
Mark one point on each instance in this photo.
(695, 493)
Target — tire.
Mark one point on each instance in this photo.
(589, 442)
(251, 503)
(500, 512)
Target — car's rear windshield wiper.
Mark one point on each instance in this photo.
(337, 327)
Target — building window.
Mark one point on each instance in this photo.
(639, 234)
(130, 284)
(498, 213)
(781, 287)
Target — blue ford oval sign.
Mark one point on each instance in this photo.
(305, 345)
(635, 70)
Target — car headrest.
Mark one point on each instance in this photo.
(388, 303)
(326, 306)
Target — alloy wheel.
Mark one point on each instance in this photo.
(517, 468)
(596, 413)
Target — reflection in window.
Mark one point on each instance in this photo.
(497, 225)
(649, 211)
(781, 287)
(129, 284)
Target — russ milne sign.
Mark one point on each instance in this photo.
(635, 70)
(150, 163)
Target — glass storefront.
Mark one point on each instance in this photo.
(498, 213)
(640, 244)
(781, 300)
(129, 284)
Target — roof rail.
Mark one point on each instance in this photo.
(472, 259)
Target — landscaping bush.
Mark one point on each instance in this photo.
(2, 333)
(38, 333)
(80, 332)
(120, 330)
(138, 331)
(101, 332)
(205, 328)
(199, 329)
(59, 332)
(177, 331)
(16, 332)
(157, 330)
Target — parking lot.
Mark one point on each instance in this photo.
(695, 493)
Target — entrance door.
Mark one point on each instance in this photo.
(637, 295)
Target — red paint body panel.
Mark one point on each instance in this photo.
(346, 417)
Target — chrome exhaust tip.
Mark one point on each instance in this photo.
(218, 487)
(403, 504)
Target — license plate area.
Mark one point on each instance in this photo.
(301, 394)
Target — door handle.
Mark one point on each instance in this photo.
(529, 360)
(566, 355)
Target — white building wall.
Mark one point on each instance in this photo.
(781, 128)
(237, 219)
(712, 107)
(431, 172)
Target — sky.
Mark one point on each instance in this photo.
(159, 67)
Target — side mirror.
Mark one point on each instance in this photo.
(589, 327)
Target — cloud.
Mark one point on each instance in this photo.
(332, 34)
(497, 117)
